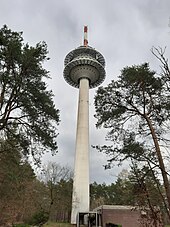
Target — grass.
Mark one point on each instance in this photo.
(56, 224)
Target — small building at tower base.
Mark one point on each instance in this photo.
(119, 216)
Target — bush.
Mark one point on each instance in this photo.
(39, 218)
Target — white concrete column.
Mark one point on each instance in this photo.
(80, 197)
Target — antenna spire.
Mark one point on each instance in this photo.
(85, 36)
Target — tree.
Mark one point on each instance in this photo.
(148, 192)
(23, 196)
(58, 182)
(16, 176)
(147, 187)
(135, 108)
(123, 192)
(63, 202)
(27, 109)
(159, 53)
(99, 195)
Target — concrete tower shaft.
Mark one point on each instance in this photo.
(84, 69)
(80, 196)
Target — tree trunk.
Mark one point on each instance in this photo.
(160, 160)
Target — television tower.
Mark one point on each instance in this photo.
(84, 69)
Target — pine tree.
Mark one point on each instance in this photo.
(25, 103)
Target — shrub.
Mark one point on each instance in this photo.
(39, 218)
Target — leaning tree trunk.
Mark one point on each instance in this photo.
(160, 160)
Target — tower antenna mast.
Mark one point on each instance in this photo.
(85, 36)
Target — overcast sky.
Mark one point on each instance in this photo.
(124, 31)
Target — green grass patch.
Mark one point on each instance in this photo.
(57, 224)
(20, 225)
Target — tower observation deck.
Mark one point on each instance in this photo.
(84, 69)
(84, 62)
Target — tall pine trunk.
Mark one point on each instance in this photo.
(161, 162)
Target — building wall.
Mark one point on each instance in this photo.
(124, 217)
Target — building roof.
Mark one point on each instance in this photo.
(114, 207)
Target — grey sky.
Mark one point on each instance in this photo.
(123, 31)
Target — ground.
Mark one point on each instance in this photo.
(55, 224)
